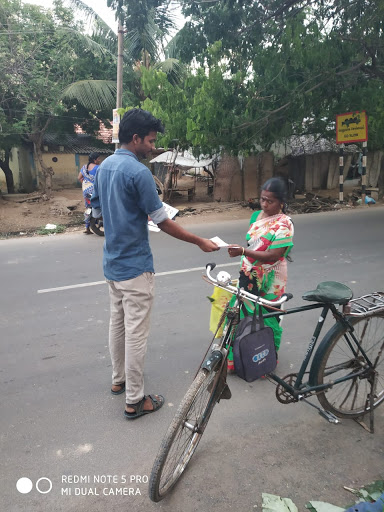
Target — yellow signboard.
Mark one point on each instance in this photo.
(351, 127)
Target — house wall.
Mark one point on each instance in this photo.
(66, 168)
(23, 169)
(28, 177)
(14, 166)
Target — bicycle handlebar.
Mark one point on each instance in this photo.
(224, 283)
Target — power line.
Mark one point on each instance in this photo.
(7, 32)
(59, 133)
(57, 116)
(41, 31)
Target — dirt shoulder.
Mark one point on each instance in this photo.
(26, 214)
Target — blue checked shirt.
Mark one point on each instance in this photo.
(125, 192)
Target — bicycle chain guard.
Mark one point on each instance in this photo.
(282, 395)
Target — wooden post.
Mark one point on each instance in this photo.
(341, 174)
(364, 174)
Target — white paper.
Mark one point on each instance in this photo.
(153, 227)
(218, 241)
(171, 212)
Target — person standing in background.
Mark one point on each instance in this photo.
(87, 177)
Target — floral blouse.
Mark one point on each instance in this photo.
(265, 234)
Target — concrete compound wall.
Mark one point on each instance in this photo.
(308, 172)
(235, 179)
(26, 176)
(234, 174)
(23, 169)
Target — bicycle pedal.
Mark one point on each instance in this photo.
(329, 416)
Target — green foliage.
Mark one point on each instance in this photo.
(42, 52)
(147, 23)
(58, 229)
(301, 63)
(167, 102)
(368, 494)
(258, 72)
(201, 111)
(371, 492)
(93, 94)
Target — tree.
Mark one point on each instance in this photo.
(147, 27)
(147, 24)
(302, 62)
(42, 52)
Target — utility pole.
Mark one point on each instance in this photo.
(119, 77)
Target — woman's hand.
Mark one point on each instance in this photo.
(234, 251)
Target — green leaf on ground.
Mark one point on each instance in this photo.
(374, 490)
(58, 229)
(321, 506)
(370, 492)
(272, 503)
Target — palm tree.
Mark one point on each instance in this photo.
(147, 25)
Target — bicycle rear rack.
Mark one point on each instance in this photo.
(366, 304)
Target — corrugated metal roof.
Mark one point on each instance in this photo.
(310, 145)
(169, 156)
(80, 143)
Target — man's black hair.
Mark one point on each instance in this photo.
(140, 122)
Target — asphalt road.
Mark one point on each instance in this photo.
(59, 422)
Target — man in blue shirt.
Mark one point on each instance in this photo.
(125, 192)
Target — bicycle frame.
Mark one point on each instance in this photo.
(299, 388)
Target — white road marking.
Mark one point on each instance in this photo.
(60, 288)
(158, 274)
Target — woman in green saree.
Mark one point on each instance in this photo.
(263, 267)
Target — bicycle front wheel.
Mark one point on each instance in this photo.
(348, 399)
(184, 433)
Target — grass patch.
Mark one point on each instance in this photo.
(58, 229)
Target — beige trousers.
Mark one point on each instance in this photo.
(130, 303)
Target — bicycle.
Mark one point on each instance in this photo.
(346, 373)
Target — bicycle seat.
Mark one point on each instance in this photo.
(330, 292)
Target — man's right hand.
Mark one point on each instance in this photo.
(207, 245)
(173, 229)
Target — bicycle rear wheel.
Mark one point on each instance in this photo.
(185, 431)
(348, 399)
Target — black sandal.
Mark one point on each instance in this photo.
(122, 385)
(139, 407)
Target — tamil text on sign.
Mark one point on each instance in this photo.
(351, 127)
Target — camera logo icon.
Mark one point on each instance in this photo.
(25, 485)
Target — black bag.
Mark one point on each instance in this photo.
(254, 353)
